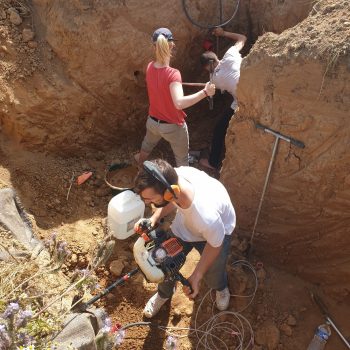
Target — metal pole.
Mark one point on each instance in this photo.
(211, 72)
(328, 319)
(265, 186)
(323, 308)
(278, 136)
(194, 84)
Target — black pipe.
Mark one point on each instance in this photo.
(118, 282)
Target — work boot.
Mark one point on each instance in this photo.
(153, 305)
(222, 299)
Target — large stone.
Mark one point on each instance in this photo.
(14, 16)
(116, 267)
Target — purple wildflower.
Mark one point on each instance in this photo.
(61, 246)
(53, 236)
(11, 309)
(62, 251)
(23, 317)
(171, 343)
(5, 340)
(25, 339)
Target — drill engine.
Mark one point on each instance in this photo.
(170, 256)
(158, 256)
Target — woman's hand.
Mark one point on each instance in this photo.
(209, 89)
(218, 32)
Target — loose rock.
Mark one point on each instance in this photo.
(287, 330)
(291, 321)
(27, 35)
(32, 44)
(15, 18)
(116, 267)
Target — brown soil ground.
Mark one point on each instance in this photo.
(42, 182)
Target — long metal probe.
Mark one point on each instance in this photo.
(265, 186)
(323, 308)
(278, 136)
(211, 101)
(329, 320)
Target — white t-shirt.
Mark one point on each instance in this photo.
(211, 215)
(226, 73)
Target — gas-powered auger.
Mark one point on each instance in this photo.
(158, 257)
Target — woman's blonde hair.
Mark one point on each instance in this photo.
(163, 50)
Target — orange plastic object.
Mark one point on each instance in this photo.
(83, 177)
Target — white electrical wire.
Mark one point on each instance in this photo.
(239, 327)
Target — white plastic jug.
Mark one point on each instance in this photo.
(124, 210)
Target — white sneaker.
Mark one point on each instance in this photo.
(222, 299)
(153, 305)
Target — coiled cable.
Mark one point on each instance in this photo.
(211, 26)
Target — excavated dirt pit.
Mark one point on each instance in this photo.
(40, 152)
(281, 313)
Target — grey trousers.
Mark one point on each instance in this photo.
(176, 135)
(215, 277)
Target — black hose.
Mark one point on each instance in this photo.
(210, 26)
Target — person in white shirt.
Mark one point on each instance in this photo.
(204, 220)
(226, 73)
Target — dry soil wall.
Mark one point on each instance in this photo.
(301, 88)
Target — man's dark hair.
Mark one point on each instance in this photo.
(206, 57)
(145, 180)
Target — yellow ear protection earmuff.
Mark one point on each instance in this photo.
(172, 192)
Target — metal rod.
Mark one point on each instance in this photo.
(194, 84)
(265, 186)
(323, 308)
(278, 136)
(211, 72)
(329, 320)
(281, 136)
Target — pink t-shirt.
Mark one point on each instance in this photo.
(161, 104)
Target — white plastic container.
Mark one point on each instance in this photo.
(124, 210)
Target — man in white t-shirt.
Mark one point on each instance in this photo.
(226, 74)
(204, 220)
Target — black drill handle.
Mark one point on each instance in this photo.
(184, 281)
(118, 282)
(281, 136)
(211, 103)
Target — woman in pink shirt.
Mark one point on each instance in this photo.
(166, 117)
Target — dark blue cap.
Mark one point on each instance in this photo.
(165, 32)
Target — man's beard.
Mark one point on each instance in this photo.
(161, 205)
